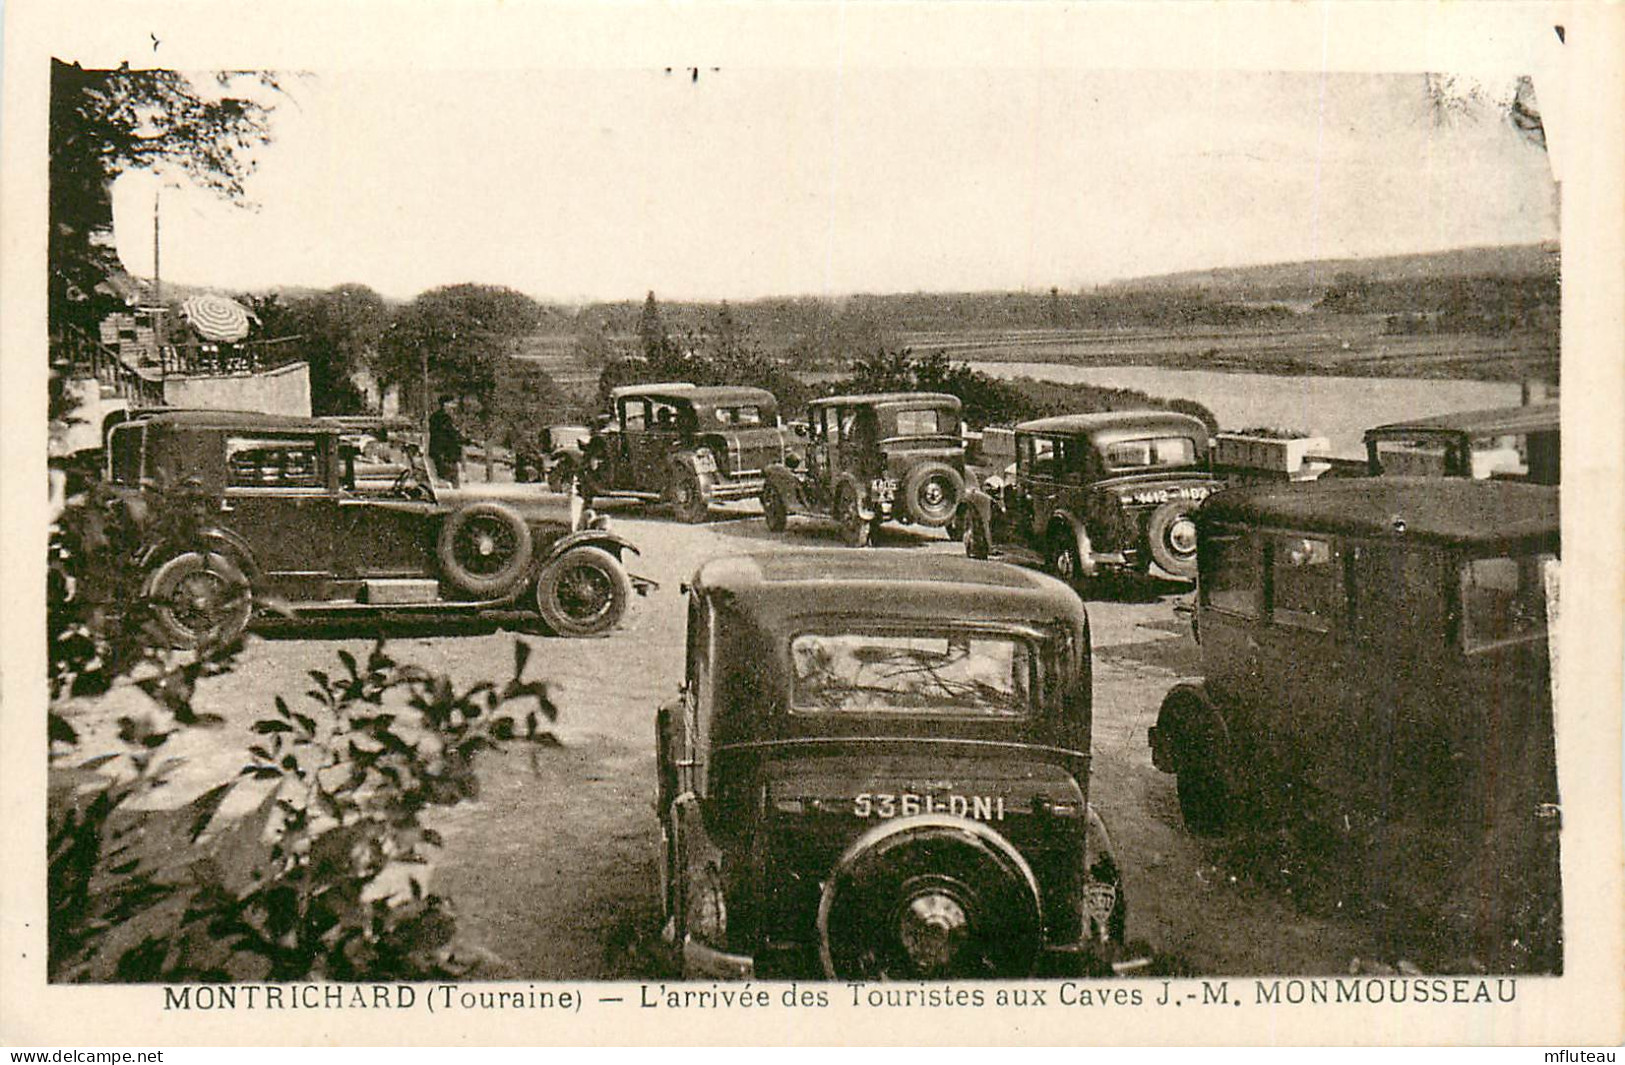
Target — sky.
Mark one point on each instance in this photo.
(579, 185)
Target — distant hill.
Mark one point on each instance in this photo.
(1308, 280)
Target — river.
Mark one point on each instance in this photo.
(1338, 408)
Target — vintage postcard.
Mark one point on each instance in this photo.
(804, 523)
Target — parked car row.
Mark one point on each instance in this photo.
(879, 762)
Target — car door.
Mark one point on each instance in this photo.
(280, 497)
(1041, 481)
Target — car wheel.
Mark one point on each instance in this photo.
(1171, 537)
(1199, 766)
(930, 898)
(931, 492)
(484, 549)
(688, 497)
(976, 539)
(1062, 556)
(199, 599)
(855, 528)
(584, 592)
(774, 512)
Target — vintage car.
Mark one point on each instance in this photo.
(1508, 443)
(1090, 491)
(553, 455)
(1376, 650)
(289, 519)
(685, 445)
(879, 768)
(869, 459)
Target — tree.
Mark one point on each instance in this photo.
(652, 335)
(104, 123)
(336, 332)
(459, 334)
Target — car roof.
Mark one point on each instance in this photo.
(865, 398)
(1112, 420)
(231, 419)
(651, 388)
(1443, 509)
(1491, 422)
(884, 586)
(722, 395)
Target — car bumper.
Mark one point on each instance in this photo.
(1055, 960)
(706, 962)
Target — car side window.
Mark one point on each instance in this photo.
(634, 415)
(262, 463)
(1041, 457)
(1232, 577)
(1503, 599)
(1306, 583)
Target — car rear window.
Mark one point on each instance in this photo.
(1151, 452)
(919, 422)
(1306, 583)
(744, 415)
(927, 674)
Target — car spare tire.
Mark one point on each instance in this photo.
(930, 898)
(1171, 537)
(931, 493)
(484, 549)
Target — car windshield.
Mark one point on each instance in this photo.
(1150, 452)
(954, 674)
(1504, 598)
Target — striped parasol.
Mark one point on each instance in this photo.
(216, 318)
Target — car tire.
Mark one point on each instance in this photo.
(583, 592)
(688, 496)
(1200, 779)
(932, 492)
(855, 528)
(947, 869)
(200, 599)
(774, 512)
(484, 549)
(1062, 558)
(1171, 538)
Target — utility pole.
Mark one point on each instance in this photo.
(158, 330)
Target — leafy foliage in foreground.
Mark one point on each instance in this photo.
(321, 879)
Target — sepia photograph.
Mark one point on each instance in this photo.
(869, 535)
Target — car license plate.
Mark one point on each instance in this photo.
(908, 804)
(1195, 493)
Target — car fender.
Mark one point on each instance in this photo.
(848, 482)
(1080, 532)
(787, 484)
(221, 541)
(1104, 906)
(614, 543)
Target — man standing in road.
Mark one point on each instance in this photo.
(446, 444)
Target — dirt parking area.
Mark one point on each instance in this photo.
(552, 870)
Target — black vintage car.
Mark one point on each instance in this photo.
(873, 458)
(1507, 443)
(1375, 651)
(1091, 491)
(289, 517)
(879, 768)
(682, 444)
